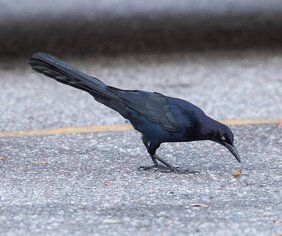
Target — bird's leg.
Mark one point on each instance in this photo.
(156, 165)
(151, 150)
(168, 166)
(171, 168)
(165, 166)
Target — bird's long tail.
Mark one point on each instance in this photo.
(66, 74)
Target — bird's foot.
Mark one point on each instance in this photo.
(160, 168)
(141, 168)
(166, 169)
(177, 170)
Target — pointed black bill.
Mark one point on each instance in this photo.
(233, 150)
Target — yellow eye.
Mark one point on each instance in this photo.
(223, 138)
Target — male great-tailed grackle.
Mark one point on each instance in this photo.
(157, 117)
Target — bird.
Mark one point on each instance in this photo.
(157, 117)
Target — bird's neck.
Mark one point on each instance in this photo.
(208, 128)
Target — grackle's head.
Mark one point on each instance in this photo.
(224, 136)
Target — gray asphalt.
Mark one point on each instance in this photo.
(88, 184)
(91, 186)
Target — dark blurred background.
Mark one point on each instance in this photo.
(112, 26)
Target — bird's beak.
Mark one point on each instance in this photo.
(233, 150)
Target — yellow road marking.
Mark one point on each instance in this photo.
(67, 130)
(40, 163)
(252, 122)
(115, 128)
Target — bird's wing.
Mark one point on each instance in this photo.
(153, 106)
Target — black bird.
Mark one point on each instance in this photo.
(157, 117)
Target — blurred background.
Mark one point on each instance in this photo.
(119, 26)
(179, 48)
(222, 55)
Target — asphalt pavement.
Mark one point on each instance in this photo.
(88, 184)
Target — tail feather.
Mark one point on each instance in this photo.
(66, 74)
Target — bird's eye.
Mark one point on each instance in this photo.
(223, 138)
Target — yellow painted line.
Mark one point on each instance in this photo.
(67, 130)
(116, 128)
(253, 122)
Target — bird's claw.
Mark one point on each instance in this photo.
(154, 167)
(165, 169)
(146, 167)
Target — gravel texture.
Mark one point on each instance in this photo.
(90, 185)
